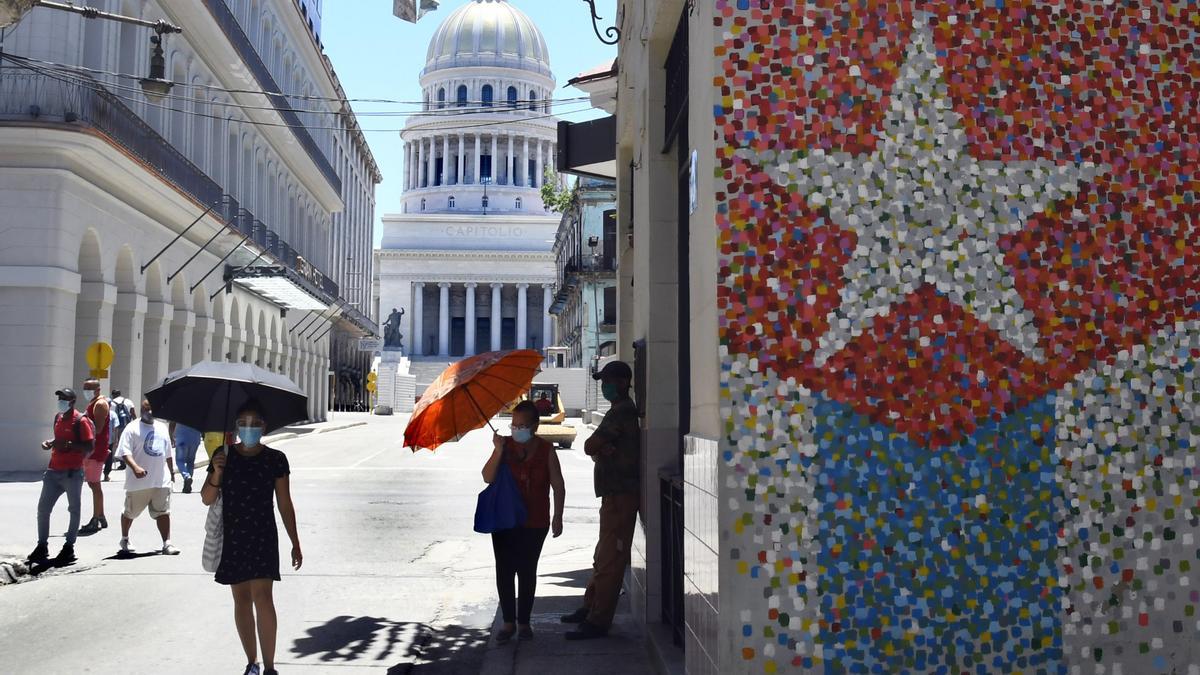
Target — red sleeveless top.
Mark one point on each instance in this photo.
(533, 478)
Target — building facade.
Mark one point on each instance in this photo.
(927, 401)
(179, 228)
(467, 266)
(585, 295)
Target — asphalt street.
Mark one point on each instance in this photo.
(394, 579)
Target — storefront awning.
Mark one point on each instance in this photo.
(588, 148)
(281, 285)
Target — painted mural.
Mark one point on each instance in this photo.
(960, 329)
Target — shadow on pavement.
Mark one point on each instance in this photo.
(20, 476)
(132, 556)
(574, 579)
(414, 647)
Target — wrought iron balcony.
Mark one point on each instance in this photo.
(225, 18)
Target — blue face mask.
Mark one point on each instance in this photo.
(610, 392)
(522, 435)
(64, 406)
(249, 436)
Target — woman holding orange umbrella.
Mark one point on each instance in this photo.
(535, 468)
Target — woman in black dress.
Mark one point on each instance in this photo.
(246, 477)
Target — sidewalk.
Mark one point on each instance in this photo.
(624, 651)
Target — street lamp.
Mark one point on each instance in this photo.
(486, 181)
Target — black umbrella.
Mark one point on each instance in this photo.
(207, 395)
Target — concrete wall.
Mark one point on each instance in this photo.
(959, 336)
(572, 383)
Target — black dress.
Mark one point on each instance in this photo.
(251, 546)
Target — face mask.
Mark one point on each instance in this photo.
(610, 392)
(249, 436)
(64, 406)
(522, 435)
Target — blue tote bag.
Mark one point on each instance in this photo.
(500, 506)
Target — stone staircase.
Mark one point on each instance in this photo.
(426, 369)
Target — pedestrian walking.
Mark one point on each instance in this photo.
(247, 477)
(93, 465)
(535, 468)
(73, 440)
(615, 447)
(124, 409)
(146, 449)
(187, 442)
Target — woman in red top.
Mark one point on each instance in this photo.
(535, 467)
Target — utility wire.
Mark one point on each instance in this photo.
(298, 97)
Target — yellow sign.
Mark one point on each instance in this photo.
(99, 356)
(371, 387)
(371, 377)
(98, 373)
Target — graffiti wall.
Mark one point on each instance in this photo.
(960, 329)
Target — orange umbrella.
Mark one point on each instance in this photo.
(468, 394)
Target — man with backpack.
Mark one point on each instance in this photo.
(73, 440)
(125, 414)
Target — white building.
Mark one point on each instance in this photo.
(469, 259)
(99, 184)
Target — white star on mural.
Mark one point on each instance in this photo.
(926, 211)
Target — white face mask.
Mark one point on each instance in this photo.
(521, 434)
(63, 406)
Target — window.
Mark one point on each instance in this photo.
(462, 96)
(422, 203)
(517, 203)
(484, 201)
(533, 100)
(512, 97)
(450, 202)
(441, 98)
(487, 95)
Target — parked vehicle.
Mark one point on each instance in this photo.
(552, 424)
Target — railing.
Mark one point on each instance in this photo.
(245, 49)
(26, 96)
(671, 515)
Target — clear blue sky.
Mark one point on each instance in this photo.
(379, 56)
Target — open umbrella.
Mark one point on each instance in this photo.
(207, 395)
(468, 394)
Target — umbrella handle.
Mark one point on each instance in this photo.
(479, 410)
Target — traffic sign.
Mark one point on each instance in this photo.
(371, 386)
(99, 356)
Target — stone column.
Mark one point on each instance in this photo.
(155, 343)
(509, 161)
(444, 320)
(496, 317)
(547, 325)
(220, 339)
(416, 340)
(430, 165)
(478, 157)
(495, 159)
(462, 152)
(93, 322)
(202, 334)
(522, 316)
(445, 160)
(408, 163)
(524, 161)
(470, 341)
(541, 169)
(182, 345)
(420, 182)
(129, 325)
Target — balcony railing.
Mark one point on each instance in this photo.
(225, 18)
(27, 96)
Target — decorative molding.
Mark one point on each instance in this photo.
(425, 255)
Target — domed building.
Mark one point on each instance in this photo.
(468, 261)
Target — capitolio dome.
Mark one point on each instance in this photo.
(488, 33)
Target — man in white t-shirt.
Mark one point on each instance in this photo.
(150, 471)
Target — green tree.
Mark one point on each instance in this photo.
(555, 198)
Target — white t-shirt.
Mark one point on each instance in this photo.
(150, 446)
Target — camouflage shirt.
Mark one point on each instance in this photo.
(619, 472)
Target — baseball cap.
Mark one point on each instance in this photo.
(616, 370)
(66, 394)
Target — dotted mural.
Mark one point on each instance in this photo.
(960, 299)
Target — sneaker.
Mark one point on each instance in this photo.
(66, 556)
(504, 635)
(525, 633)
(125, 550)
(251, 669)
(587, 631)
(578, 616)
(41, 554)
(187, 486)
(169, 549)
(91, 527)
(103, 523)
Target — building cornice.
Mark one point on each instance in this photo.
(470, 218)
(476, 256)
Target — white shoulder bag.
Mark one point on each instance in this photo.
(214, 536)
